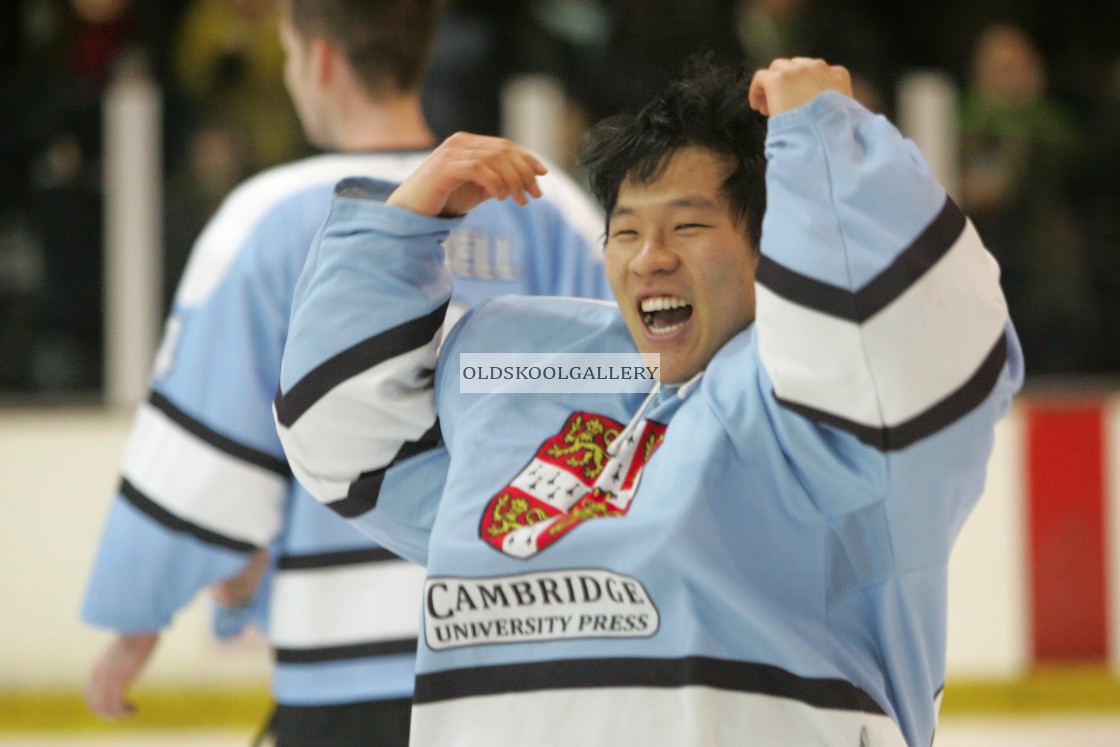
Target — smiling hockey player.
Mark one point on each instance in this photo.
(754, 554)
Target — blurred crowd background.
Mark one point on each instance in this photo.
(1038, 105)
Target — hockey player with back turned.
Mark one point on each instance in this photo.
(205, 488)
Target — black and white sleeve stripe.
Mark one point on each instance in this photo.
(357, 413)
(186, 476)
(909, 353)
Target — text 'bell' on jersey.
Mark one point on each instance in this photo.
(204, 482)
(759, 555)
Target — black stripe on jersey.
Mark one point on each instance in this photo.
(701, 671)
(363, 493)
(941, 415)
(859, 306)
(361, 357)
(158, 513)
(337, 559)
(349, 651)
(203, 432)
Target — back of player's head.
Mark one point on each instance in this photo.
(386, 42)
(707, 107)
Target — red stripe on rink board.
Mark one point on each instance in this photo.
(1065, 486)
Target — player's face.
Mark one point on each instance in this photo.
(680, 267)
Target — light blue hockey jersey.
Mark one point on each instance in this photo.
(756, 557)
(204, 480)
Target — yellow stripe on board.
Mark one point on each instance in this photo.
(189, 708)
(1052, 689)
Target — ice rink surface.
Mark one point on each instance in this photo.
(1090, 730)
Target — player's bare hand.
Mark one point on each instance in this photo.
(467, 169)
(114, 672)
(238, 591)
(788, 84)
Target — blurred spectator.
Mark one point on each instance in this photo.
(1097, 204)
(228, 63)
(613, 54)
(840, 33)
(1018, 149)
(234, 117)
(474, 53)
(51, 159)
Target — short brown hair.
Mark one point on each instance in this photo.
(386, 42)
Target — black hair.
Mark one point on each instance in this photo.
(706, 107)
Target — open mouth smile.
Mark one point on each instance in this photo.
(663, 315)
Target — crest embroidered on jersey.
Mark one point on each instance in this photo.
(572, 478)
